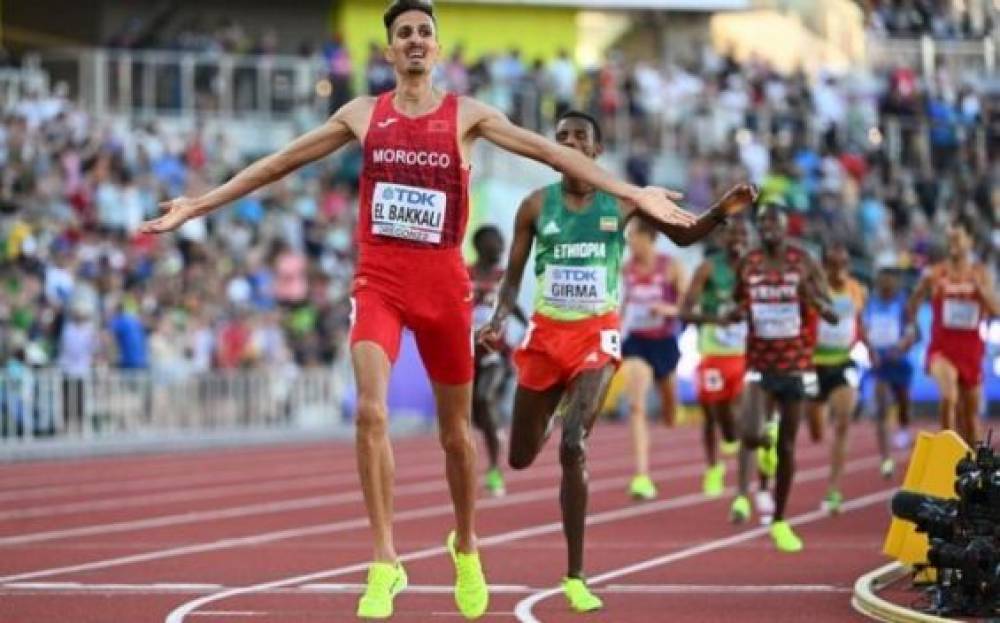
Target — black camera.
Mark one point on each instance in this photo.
(964, 536)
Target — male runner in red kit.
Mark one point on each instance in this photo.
(414, 207)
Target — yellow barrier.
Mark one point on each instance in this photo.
(931, 471)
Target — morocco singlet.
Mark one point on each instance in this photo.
(955, 332)
(414, 205)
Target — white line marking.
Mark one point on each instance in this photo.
(426, 512)
(430, 589)
(233, 613)
(523, 609)
(752, 589)
(693, 499)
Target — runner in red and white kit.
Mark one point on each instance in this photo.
(962, 298)
(414, 206)
(776, 285)
(493, 367)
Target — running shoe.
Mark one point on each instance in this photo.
(472, 595)
(729, 448)
(902, 439)
(833, 501)
(784, 538)
(767, 458)
(642, 488)
(494, 482)
(887, 468)
(714, 481)
(385, 581)
(739, 512)
(764, 503)
(579, 596)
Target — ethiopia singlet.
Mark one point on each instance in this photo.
(414, 189)
(958, 312)
(728, 340)
(777, 337)
(643, 290)
(577, 256)
(834, 341)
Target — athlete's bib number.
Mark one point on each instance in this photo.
(408, 212)
(611, 343)
(885, 331)
(577, 288)
(961, 314)
(712, 381)
(732, 335)
(776, 321)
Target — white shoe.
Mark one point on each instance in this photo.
(763, 502)
(901, 439)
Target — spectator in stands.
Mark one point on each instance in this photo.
(129, 335)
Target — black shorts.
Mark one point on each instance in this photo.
(834, 377)
(786, 387)
(662, 354)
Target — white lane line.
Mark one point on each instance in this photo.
(266, 508)
(429, 589)
(545, 493)
(817, 473)
(233, 613)
(523, 610)
(748, 589)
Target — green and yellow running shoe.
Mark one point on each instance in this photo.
(739, 512)
(729, 448)
(887, 468)
(472, 595)
(385, 581)
(767, 458)
(833, 501)
(494, 483)
(642, 488)
(714, 481)
(784, 538)
(579, 596)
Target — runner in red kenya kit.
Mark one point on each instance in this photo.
(414, 208)
(776, 285)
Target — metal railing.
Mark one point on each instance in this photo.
(926, 53)
(48, 404)
(154, 83)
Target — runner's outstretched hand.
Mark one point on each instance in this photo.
(176, 212)
(658, 204)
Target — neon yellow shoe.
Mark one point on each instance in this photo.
(833, 501)
(729, 448)
(472, 595)
(579, 596)
(714, 481)
(642, 488)
(385, 581)
(887, 468)
(739, 512)
(767, 458)
(784, 538)
(494, 483)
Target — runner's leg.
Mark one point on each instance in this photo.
(639, 376)
(946, 377)
(453, 403)
(842, 402)
(531, 423)
(485, 392)
(791, 414)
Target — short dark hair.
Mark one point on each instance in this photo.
(482, 232)
(644, 226)
(775, 205)
(965, 222)
(579, 114)
(398, 7)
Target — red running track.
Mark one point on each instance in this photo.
(279, 534)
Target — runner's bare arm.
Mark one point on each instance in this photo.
(740, 296)
(733, 202)
(510, 286)
(690, 304)
(987, 293)
(920, 293)
(676, 276)
(482, 121)
(339, 129)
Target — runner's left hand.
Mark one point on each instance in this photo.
(490, 335)
(658, 204)
(738, 198)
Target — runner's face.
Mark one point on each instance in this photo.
(959, 241)
(886, 284)
(490, 247)
(577, 134)
(736, 238)
(414, 48)
(837, 260)
(771, 226)
(640, 244)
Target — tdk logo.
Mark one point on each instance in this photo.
(413, 198)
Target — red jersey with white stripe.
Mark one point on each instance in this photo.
(779, 339)
(485, 292)
(643, 290)
(414, 188)
(958, 312)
